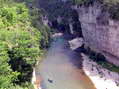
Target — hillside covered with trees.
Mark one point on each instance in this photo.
(22, 39)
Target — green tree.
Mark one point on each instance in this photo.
(6, 74)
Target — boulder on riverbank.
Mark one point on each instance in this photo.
(76, 43)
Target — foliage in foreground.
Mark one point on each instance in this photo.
(20, 44)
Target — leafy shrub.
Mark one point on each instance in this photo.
(100, 57)
(21, 52)
(93, 55)
(6, 74)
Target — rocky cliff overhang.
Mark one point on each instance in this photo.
(100, 31)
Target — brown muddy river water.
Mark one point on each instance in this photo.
(61, 69)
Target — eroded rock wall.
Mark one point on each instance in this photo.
(99, 31)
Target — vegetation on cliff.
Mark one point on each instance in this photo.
(22, 38)
(101, 60)
(110, 6)
(104, 1)
(56, 8)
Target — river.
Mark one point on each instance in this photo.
(61, 68)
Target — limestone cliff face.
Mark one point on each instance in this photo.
(100, 32)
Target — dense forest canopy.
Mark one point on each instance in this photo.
(21, 33)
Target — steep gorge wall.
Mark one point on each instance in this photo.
(100, 32)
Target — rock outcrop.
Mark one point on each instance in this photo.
(100, 32)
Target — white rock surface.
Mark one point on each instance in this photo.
(76, 43)
(101, 77)
(34, 80)
(57, 34)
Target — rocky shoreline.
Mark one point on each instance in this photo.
(36, 81)
(101, 77)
